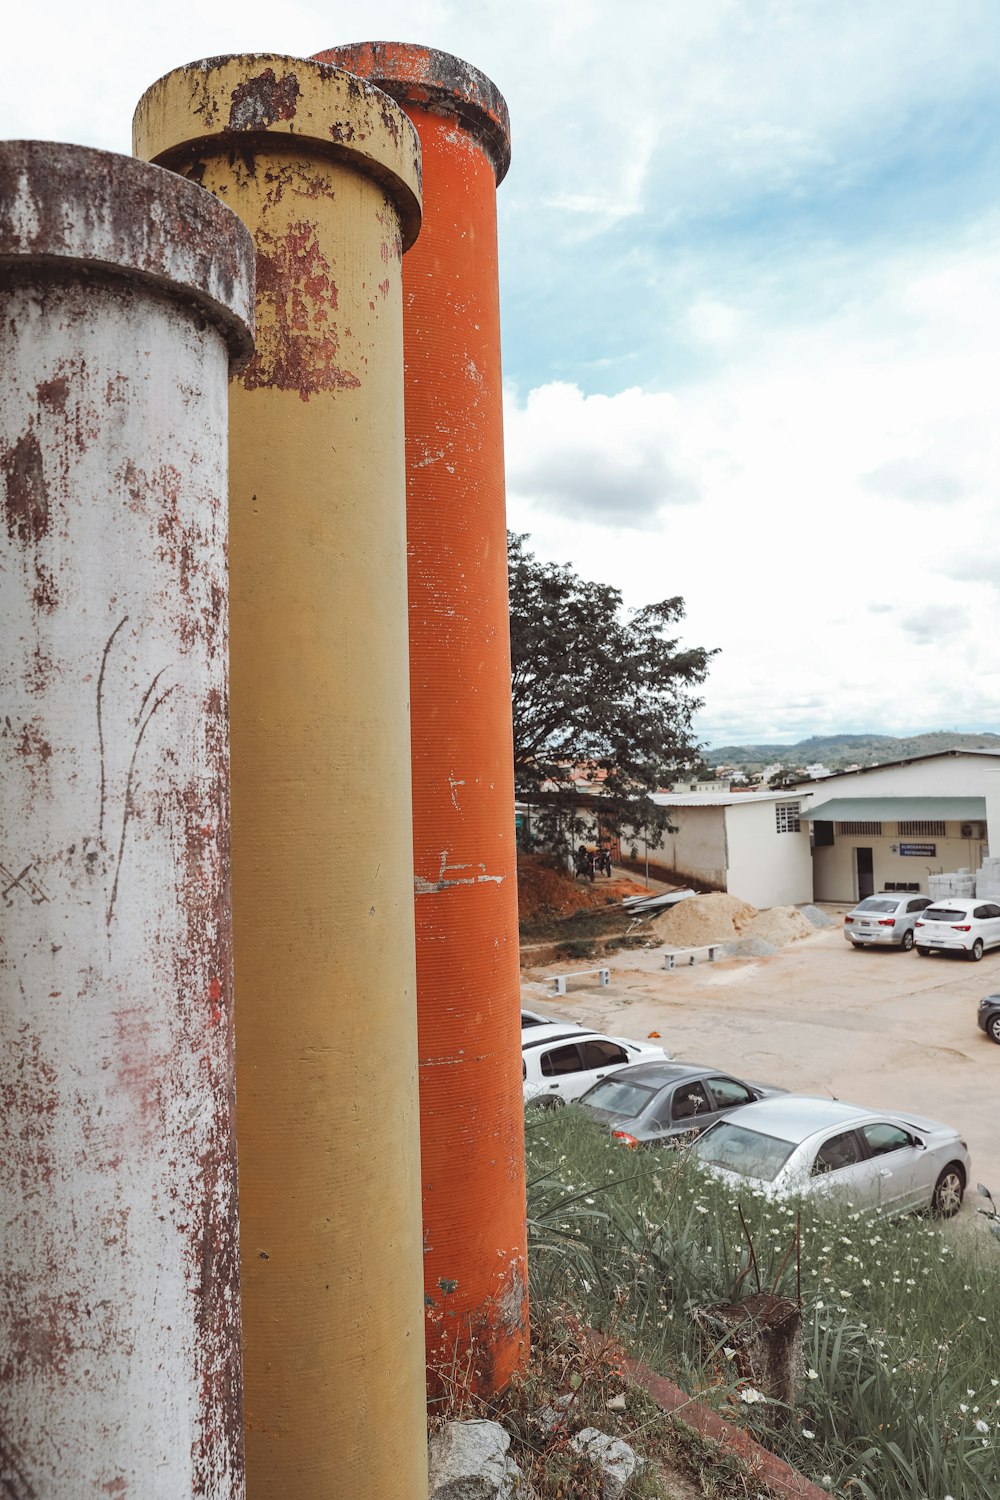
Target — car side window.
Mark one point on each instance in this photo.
(561, 1060)
(982, 911)
(883, 1138)
(603, 1055)
(840, 1151)
(992, 910)
(728, 1093)
(690, 1100)
(920, 903)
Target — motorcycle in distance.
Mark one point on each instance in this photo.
(592, 862)
(990, 1213)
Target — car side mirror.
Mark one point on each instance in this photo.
(920, 1145)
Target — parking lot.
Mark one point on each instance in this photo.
(884, 1029)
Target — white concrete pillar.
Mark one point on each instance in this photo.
(124, 293)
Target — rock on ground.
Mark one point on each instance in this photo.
(615, 1459)
(469, 1461)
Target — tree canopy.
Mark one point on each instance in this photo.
(599, 695)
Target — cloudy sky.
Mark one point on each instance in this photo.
(750, 259)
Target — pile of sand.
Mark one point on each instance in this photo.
(718, 918)
(715, 918)
(780, 925)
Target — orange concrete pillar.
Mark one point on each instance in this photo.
(468, 986)
(324, 170)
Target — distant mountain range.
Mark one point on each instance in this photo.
(839, 750)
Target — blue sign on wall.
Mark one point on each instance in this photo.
(922, 851)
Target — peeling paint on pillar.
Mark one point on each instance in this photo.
(324, 169)
(468, 977)
(124, 295)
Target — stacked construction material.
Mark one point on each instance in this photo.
(958, 883)
(988, 879)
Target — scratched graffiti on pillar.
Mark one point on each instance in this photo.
(152, 700)
(23, 882)
(424, 887)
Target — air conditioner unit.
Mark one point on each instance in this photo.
(972, 831)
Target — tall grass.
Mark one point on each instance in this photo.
(901, 1390)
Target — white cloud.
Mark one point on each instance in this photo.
(935, 623)
(618, 460)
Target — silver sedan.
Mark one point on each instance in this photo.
(886, 920)
(886, 1163)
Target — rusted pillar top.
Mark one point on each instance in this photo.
(437, 82)
(96, 213)
(323, 110)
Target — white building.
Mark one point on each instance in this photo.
(892, 826)
(754, 845)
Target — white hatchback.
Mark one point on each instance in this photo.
(561, 1062)
(958, 925)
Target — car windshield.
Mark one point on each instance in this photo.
(744, 1151)
(944, 914)
(878, 903)
(618, 1097)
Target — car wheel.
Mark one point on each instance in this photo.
(907, 942)
(993, 1027)
(922, 951)
(551, 1101)
(976, 951)
(948, 1192)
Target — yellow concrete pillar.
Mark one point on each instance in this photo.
(324, 170)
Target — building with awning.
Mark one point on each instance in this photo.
(891, 827)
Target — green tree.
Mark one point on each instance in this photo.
(596, 692)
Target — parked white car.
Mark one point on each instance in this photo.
(561, 1062)
(958, 925)
(885, 1163)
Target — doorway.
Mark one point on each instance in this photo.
(865, 869)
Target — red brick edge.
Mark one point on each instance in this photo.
(780, 1478)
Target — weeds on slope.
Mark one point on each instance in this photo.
(900, 1390)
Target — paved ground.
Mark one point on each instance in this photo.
(883, 1029)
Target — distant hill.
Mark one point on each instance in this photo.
(839, 750)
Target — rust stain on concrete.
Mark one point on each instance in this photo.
(26, 497)
(298, 340)
(258, 102)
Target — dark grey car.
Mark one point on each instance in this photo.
(989, 1017)
(661, 1103)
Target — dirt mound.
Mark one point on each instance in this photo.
(545, 890)
(718, 918)
(780, 925)
(715, 918)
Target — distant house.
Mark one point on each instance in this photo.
(891, 826)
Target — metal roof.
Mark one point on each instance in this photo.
(896, 809)
(906, 760)
(726, 799)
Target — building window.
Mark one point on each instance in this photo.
(920, 830)
(822, 834)
(866, 830)
(786, 817)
